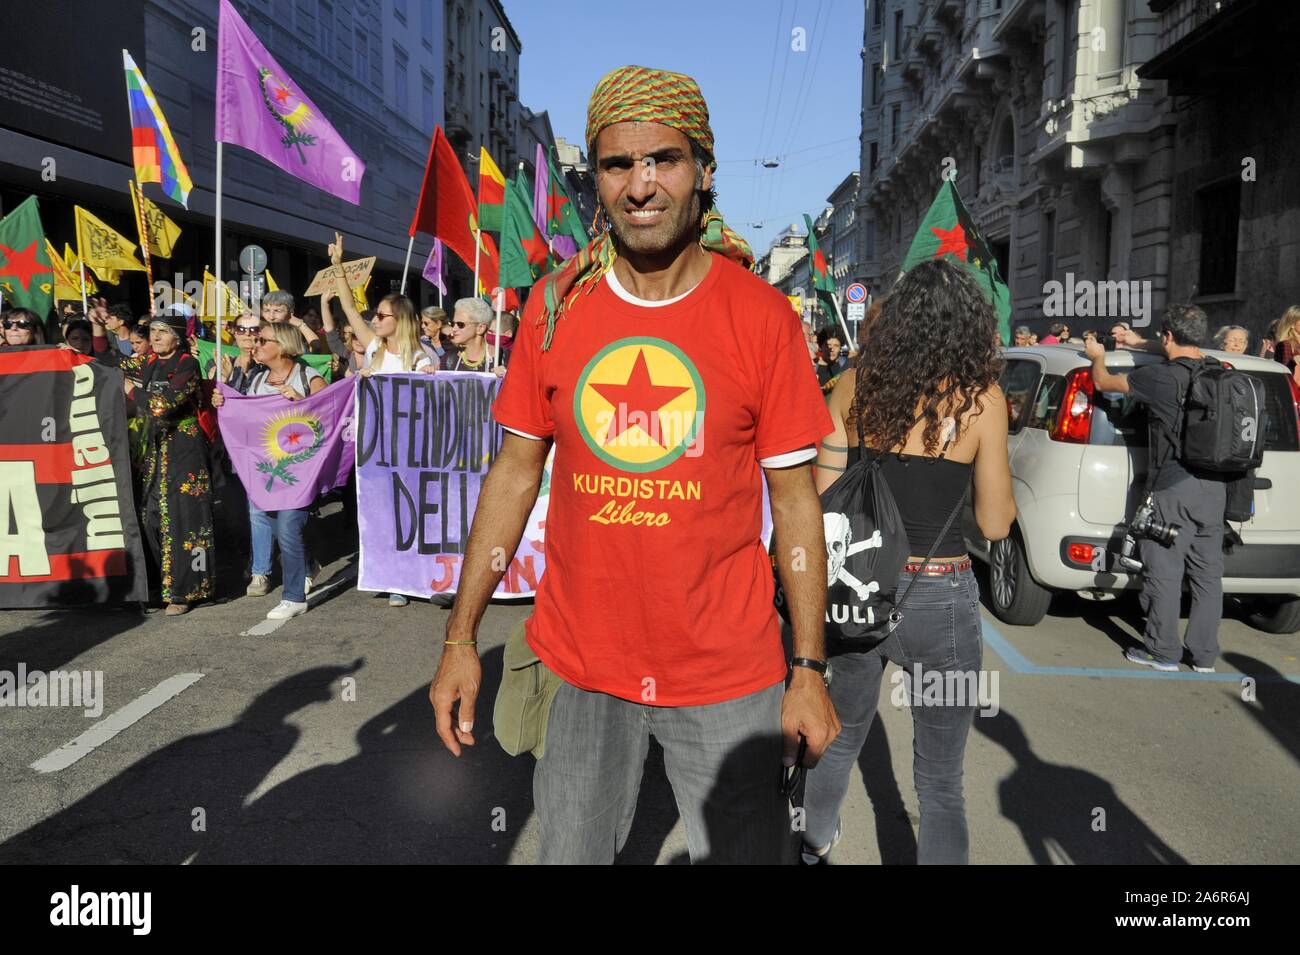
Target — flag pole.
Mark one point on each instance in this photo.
(407, 265)
(140, 227)
(848, 340)
(85, 307)
(496, 344)
(216, 365)
(478, 245)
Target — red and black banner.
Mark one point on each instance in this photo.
(68, 531)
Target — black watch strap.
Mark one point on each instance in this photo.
(811, 664)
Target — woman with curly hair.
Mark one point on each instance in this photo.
(924, 400)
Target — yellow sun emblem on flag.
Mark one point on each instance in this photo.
(289, 438)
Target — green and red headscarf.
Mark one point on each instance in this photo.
(637, 94)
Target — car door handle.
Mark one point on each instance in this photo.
(1262, 484)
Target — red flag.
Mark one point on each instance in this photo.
(447, 210)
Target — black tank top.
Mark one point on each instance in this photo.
(926, 490)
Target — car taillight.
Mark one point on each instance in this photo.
(1074, 420)
(1080, 554)
(1295, 400)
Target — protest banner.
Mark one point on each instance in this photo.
(68, 530)
(288, 453)
(356, 271)
(206, 350)
(424, 446)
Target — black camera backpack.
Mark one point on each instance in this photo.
(1221, 419)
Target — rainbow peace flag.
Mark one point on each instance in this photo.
(153, 149)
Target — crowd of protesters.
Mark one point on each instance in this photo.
(182, 474)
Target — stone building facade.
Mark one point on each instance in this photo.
(1078, 163)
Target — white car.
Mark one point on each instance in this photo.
(1078, 466)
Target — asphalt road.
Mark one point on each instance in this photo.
(314, 742)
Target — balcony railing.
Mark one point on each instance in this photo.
(1180, 17)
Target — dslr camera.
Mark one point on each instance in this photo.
(1143, 525)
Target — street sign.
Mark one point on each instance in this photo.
(855, 293)
(857, 311)
(252, 259)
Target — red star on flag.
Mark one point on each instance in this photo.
(22, 265)
(638, 394)
(951, 240)
(293, 438)
(282, 94)
(535, 249)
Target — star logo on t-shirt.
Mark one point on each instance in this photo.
(639, 403)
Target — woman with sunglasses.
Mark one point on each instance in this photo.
(392, 339)
(279, 347)
(22, 327)
(175, 487)
(239, 372)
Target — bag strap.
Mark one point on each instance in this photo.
(952, 516)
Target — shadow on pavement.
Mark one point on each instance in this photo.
(1277, 701)
(63, 635)
(402, 798)
(1054, 807)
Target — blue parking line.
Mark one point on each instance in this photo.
(1019, 663)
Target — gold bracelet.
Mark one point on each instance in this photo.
(459, 643)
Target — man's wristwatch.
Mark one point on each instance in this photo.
(821, 666)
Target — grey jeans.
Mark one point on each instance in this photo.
(940, 633)
(1197, 505)
(723, 761)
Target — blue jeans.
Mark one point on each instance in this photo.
(286, 527)
(723, 761)
(940, 633)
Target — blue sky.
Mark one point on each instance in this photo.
(740, 52)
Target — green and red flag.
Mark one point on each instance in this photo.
(949, 229)
(568, 234)
(524, 251)
(26, 276)
(817, 266)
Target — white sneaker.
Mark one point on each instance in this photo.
(312, 573)
(286, 609)
(810, 856)
(258, 586)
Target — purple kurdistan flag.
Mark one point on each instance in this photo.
(288, 453)
(541, 183)
(433, 268)
(260, 108)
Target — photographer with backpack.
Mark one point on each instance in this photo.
(1206, 434)
(917, 421)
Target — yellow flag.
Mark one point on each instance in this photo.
(160, 232)
(74, 265)
(214, 293)
(359, 295)
(104, 250)
(67, 283)
(270, 283)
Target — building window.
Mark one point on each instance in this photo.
(979, 166)
(399, 8)
(875, 83)
(363, 55)
(426, 23)
(878, 13)
(871, 239)
(399, 80)
(1069, 30)
(873, 156)
(426, 101)
(894, 117)
(327, 28)
(898, 34)
(1219, 212)
(1048, 246)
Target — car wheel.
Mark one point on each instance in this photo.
(1015, 596)
(1274, 614)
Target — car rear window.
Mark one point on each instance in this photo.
(1120, 420)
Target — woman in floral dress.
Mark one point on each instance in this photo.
(174, 493)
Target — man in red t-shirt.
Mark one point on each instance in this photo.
(672, 381)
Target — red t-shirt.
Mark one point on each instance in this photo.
(657, 586)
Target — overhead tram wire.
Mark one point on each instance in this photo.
(811, 63)
(785, 65)
(767, 99)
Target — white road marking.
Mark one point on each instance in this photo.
(270, 626)
(115, 722)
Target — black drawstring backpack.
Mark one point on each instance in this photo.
(866, 550)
